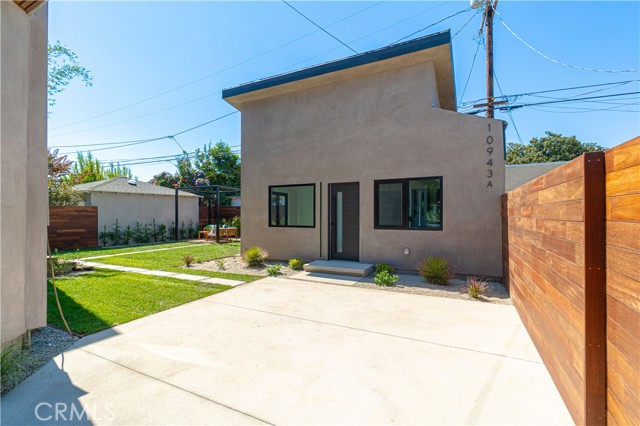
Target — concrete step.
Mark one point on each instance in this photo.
(339, 267)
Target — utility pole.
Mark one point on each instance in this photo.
(488, 21)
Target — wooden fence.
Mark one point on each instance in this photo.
(555, 273)
(225, 213)
(73, 228)
(623, 283)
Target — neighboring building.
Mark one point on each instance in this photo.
(132, 202)
(23, 167)
(365, 158)
(517, 175)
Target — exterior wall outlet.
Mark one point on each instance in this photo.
(406, 251)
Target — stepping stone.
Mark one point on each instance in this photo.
(223, 281)
(339, 267)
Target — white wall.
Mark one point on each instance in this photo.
(23, 169)
(132, 208)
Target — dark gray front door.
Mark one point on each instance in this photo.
(344, 213)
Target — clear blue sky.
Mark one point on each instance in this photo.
(136, 50)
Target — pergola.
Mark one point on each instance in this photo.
(208, 192)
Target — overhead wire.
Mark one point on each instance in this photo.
(553, 59)
(319, 26)
(431, 25)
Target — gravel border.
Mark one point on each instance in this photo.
(235, 265)
(456, 289)
(46, 343)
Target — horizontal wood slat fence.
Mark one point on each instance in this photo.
(623, 283)
(225, 213)
(73, 228)
(571, 261)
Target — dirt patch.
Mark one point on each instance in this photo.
(234, 265)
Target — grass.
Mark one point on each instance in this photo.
(172, 260)
(104, 251)
(102, 299)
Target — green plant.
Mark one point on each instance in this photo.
(171, 231)
(221, 263)
(254, 256)
(383, 267)
(274, 269)
(476, 287)
(235, 222)
(188, 260)
(295, 263)
(146, 233)
(117, 240)
(436, 270)
(183, 231)
(12, 366)
(104, 236)
(60, 267)
(127, 235)
(162, 232)
(384, 278)
(154, 234)
(137, 233)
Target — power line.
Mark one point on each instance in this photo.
(219, 71)
(431, 25)
(556, 60)
(322, 29)
(565, 100)
(467, 23)
(475, 55)
(513, 122)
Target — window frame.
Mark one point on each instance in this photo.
(405, 204)
(313, 185)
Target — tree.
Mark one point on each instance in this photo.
(212, 165)
(61, 192)
(63, 68)
(90, 169)
(549, 148)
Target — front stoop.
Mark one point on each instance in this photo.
(339, 267)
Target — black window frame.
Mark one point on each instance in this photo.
(313, 185)
(405, 204)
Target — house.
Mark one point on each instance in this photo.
(518, 174)
(132, 201)
(366, 159)
(23, 167)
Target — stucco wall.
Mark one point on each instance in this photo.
(23, 171)
(379, 126)
(132, 208)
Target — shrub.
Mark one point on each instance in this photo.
(59, 267)
(436, 270)
(117, 235)
(127, 235)
(380, 267)
(146, 233)
(476, 287)
(254, 256)
(235, 222)
(296, 264)
(188, 260)
(274, 270)
(384, 278)
(137, 233)
(221, 263)
(162, 232)
(171, 231)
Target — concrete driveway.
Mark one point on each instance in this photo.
(279, 351)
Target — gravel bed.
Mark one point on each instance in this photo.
(456, 289)
(234, 265)
(46, 343)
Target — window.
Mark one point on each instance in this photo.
(292, 206)
(408, 203)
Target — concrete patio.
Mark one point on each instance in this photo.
(281, 351)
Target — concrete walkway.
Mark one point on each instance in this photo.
(188, 277)
(280, 351)
(134, 252)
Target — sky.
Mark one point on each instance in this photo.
(158, 67)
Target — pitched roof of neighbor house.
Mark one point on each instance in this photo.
(434, 47)
(121, 185)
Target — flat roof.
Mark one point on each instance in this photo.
(387, 52)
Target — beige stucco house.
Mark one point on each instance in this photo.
(23, 167)
(365, 158)
(131, 201)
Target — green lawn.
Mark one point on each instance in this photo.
(171, 260)
(104, 251)
(102, 299)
